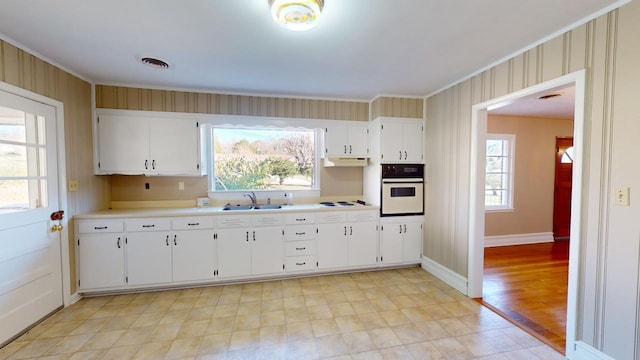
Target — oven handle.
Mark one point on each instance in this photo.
(403, 181)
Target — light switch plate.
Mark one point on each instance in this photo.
(181, 185)
(73, 185)
(621, 196)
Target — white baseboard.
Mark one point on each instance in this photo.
(518, 239)
(74, 298)
(451, 278)
(584, 351)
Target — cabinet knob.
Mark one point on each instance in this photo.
(153, 164)
(175, 240)
(405, 155)
(345, 149)
(146, 164)
(167, 240)
(350, 149)
(400, 152)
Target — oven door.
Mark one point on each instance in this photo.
(402, 197)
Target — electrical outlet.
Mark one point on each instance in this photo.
(73, 185)
(621, 196)
(181, 185)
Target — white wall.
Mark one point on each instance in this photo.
(608, 49)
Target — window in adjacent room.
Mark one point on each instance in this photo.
(250, 159)
(499, 171)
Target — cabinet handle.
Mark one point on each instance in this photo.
(405, 155)
(167, 240)
(100, 227)
(400, 158)
(400, 229)
(345, 149)
(405, 228)
(302, 233)
(345, 231)
(175, 240)
(247, 236)
(118, 243)
(194, 224)
(350, 230)
(153, 164)
(303, 219)
(254, 236)
(302, 263)
(148, 226)
(350, 149)
(146, 164)
(302, 248)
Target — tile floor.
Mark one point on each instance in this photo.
(389, 314)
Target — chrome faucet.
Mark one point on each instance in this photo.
(251, 195)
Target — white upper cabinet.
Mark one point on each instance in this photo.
(347, 140)
(401, 140)
(133, 143)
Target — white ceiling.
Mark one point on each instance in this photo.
(360, 48)
(561, 107)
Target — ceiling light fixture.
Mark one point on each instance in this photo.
(296, 15)
(155, 63)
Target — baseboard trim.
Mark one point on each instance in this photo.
(74, 298)
(584, 351)
(518, 239)
(451, 278)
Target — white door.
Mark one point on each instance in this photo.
(392, 236)
(412, 249)
(194, 255)
(101, 261)
(123, 144)
(149, 257)
(363, 244)
(335, 140)
(358, 141)
(173, 146)
(30, 257)
(236, 247)
(412, 139)
(266, 250)
(333, 246)
(391, 142)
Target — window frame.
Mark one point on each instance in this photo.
(271, 193)
(508, 203)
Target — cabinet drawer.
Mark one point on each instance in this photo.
(299, 219)
(186, 223)
(301, 263)
(99, 226)
(369, 215)
(151, 224)
(234, 221)
(300, 248)
(332, 217)
(267, 220)
(302, 232)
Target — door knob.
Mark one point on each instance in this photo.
(55, 228)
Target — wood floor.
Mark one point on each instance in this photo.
(527, 284)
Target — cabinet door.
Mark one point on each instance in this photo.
(358, 141)
(392, 236)
(412, 250)
(412, 139)
(266, 250)
(148, 258)
(194, 255)
(234, 249)
(391, 146)
(333, 246)
(174, 146)
(336, 140)
(101, 261)
(363, 244)
(123, 144)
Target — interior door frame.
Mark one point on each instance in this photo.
(477, 185)
(62, 180)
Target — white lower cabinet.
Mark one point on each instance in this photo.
(100, 251)
(148, 258)
(100, 261)
(194, 255)
(347, 239)
(300, 242)
(401, 240)
(250, 245)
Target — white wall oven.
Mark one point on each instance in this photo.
(402, 189)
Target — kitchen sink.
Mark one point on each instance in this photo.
(229, 207)
(267, 207)
(237, 207)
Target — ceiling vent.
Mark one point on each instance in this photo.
(548, 96)
(155, 63)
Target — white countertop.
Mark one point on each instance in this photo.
(195, 211)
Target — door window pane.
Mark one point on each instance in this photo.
(23, 164)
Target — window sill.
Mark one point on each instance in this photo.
(276, 196)
(499, 209)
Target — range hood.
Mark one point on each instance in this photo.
(344, 161)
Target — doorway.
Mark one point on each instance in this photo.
(477, 190)
(34, 259)
(562, 188)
